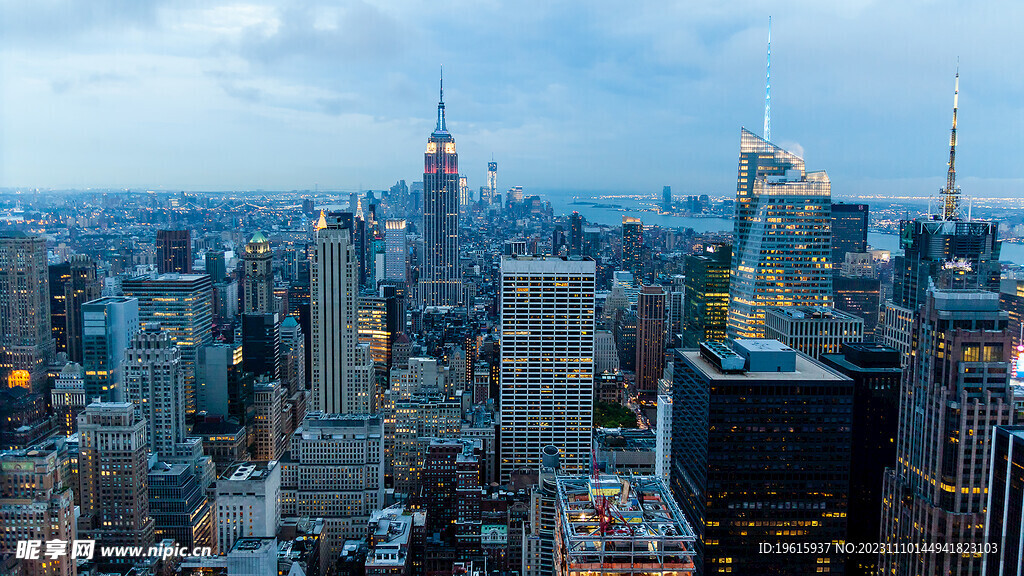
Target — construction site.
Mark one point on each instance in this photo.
(611, 525)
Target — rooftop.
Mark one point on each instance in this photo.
(807, 369)
(248, 471)
(810, 313)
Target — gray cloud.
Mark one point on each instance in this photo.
(592, 94)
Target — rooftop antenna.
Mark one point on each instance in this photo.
(951, 194)
(768, 88)
(440, 107)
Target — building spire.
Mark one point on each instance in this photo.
(768, 88)
(951, 194)
(440, 107)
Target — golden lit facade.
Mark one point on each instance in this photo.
(547, 360)
(782, 251)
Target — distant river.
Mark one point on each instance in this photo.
(611, 211)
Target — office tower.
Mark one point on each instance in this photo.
(753, 460)
(108, 326)
(492, 180)
(68, 398)
(83, 287)
(267, 430)
(782, 243)
(59, 276)
(36, 503)
(293, 356)
(215, 265)
(258, 276)
(953, 254)
(625, 339)
(813, 330)
(248, 502)
(547, 360)
(440, 282)
(224, 388)
(396, 252)
(72, 284)
(650, 341)
(261, 345)
(464, 196)
(112, 472)
(955, 392)
(174, 251)
(849, 230)
(606, 357)
(663, 437)
(26, 339)
(859, 297)
(706, 297)
(876, 374)
(381, 319)
(182, 305)
(1004, 519)
(575, 234)
(345, 454)
(943, 250)
(557, 240)
(633, 246)
(155, 382)
(675, 300)
(651, 535)
(341, 367)
(178, 505)
(666, 198)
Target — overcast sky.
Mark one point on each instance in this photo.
(589, 95)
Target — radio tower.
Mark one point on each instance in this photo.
(768, 88)
(951, 194)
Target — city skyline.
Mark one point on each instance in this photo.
(225, 88)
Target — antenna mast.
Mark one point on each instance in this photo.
(768, 88)
(951, 194)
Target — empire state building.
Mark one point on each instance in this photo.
(441, 278)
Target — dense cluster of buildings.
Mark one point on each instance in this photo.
(419, 382)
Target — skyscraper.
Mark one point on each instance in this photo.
(108, 327)
(155, 383)
(650, 341)
(575, 234)
(876, 374)
(112, 472)
(26, 339)
(440, 283)
(813, 330)
(943, 250)
(37, 503)
(261, 345)
(174, 251)
(666, 198)
(258, 276)
(396, 251)
(753, 458)
(547, 360)
(781, 234)
(341, 370)
(632, 247)
(72, 284)
(492, 180)
(706, 297)
(1004, 524)
(849, 230)
(956, 391)
(183, 306)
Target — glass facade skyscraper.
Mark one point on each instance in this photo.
(849, 230)
(706, 297)
(782, 244)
